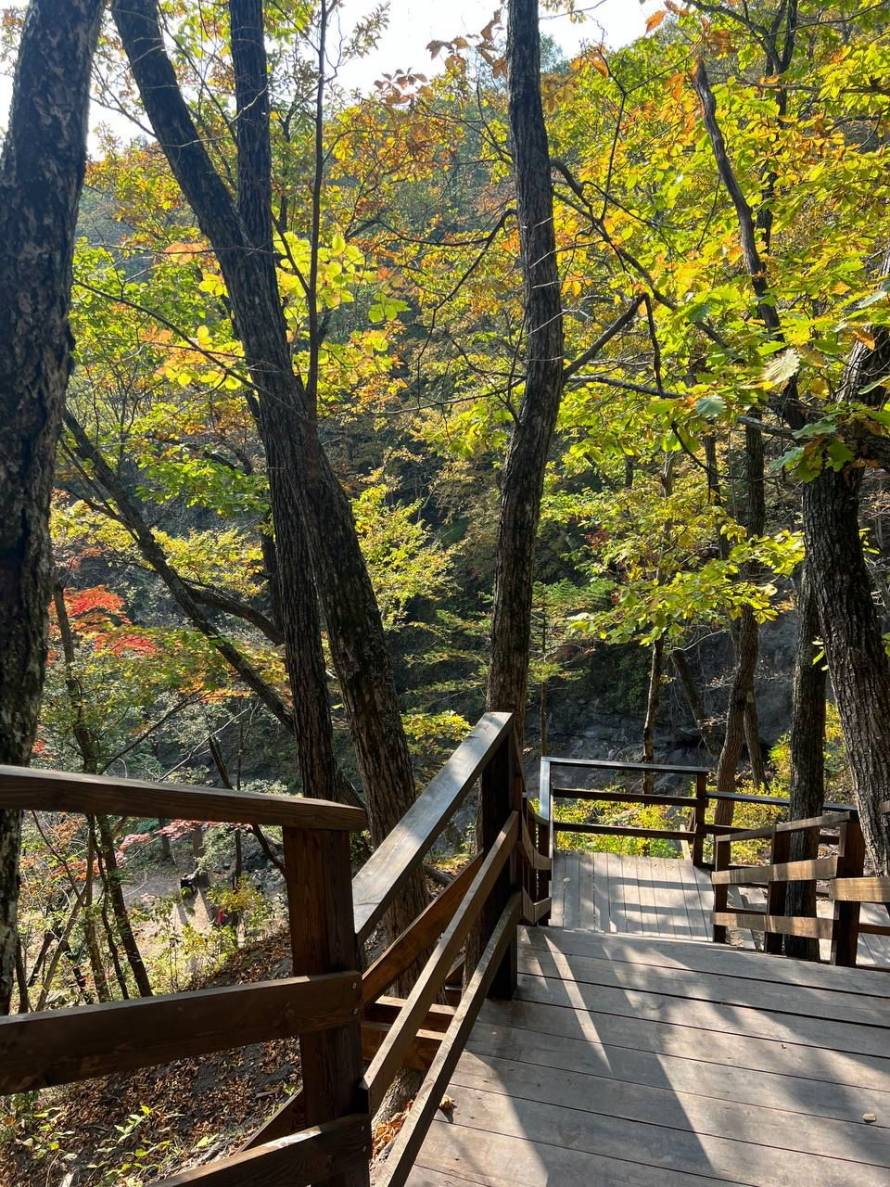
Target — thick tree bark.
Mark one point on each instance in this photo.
(306, 496)
(530, 443)
(853, 645)
(807, 743)
(41, 174)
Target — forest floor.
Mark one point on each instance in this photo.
(129, 1129)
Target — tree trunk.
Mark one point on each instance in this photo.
(41, 174)
(112, 879)
(741, 696)
(853, 645)
(807, 759)
(523, 481)
(652, 702)
(305, 494)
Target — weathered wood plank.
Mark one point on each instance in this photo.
(502, 1160)
(819, 869)
(786, 925)
(61, 791)
(312, 1156)
(709, 1016)
(661, 1147)
(642, 1033)
(689, 1112)
(722, 1082)
(860, 890)
(64, 1046)
(379, 879)
(694, 986)
(708, 958)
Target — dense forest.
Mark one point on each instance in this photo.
(332, 419)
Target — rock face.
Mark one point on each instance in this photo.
(600, 714)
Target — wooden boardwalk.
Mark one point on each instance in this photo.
(670, 898)
(648, 1061)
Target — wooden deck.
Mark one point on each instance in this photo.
(656, 1061)
(606, 892)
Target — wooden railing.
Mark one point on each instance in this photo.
(696, 830)
(845, 866)
(321, 1005)
(503, 883)
(343, 1017)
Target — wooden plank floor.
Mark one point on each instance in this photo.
(606, 892)
(652, 1061)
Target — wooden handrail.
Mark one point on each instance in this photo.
(609, 764)
(63, 1046)
(815, 869)
(312, 1156)
(380, 878)
(62, 791)
(388, 1059)
(401, 1157)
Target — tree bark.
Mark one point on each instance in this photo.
(530, 443)
(306, 496)
(111, 876)
(807, 741)
(41, 175)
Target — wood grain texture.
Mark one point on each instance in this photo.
(378, 881)
(59, 791)
(314, 1155)
(860, 890)
(64, 1046)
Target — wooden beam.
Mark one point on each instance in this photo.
(387, 1009)
(606, 764)
(820, 869)
(622, 830)
(311, 1156)
(378, 881)
(533, 911)
(623, 797)
(388, 1059)
(402, 1156)
(419, 936)
(786, 925)
(64, 1046)
(419, 1055)
(537, 861)
(59, 791)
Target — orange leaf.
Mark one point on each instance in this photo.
(655, 20)
(866, 339)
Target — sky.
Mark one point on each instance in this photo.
(414, 23)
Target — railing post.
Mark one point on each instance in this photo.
(850, 864)
(780, 852)
(700, 809)
(319, 897)
(722, 852)
(500, 793)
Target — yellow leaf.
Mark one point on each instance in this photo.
(655, 20)
(866, 339)
(599, 64)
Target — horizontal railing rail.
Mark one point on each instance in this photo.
(321, 1003)
(506, 881)
(698, 828)
(842, 929)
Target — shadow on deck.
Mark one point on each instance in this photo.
(656, 1062)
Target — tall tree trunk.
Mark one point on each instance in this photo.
(807, 758)
(523, 481)
(745, 638)
(306, 496)
(114, 888)
(41, 174)
(854, 646)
